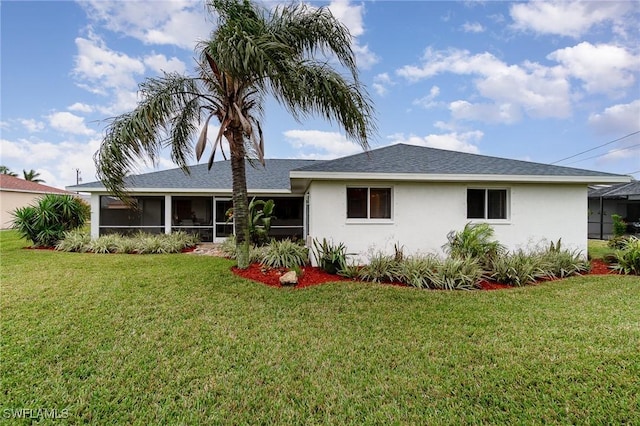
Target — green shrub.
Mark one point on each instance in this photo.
(458, 274)
(419, 271)
(563, 263)
(475, 241)
(618, 243)
(45, 223)
(105, 244)
(628, 259)
(228, 249)
(381, 268)
(350, 270)
(285, 254)
(517, 269)
(619, 225)
(331, 258)
(77, 240)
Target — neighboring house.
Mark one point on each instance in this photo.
(622, 199)
(400, 194)
(16, 192)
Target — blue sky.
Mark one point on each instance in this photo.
(538, 81)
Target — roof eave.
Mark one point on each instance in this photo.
(415, 177)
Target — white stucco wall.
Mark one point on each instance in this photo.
(423, 214)
(10, 201)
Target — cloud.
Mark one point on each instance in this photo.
(603, 68)
(160, 64)
(381, 83)
(429, 100)
(529, 88)
(352, 17)
(566, 18)
(472, 27)
(56, 162)
(453, 141)
(104, 68)
(80, 107)
(67, 122)
(320, 145)
(620, 119)
(179, 22)
(506, 113)
(32, 125)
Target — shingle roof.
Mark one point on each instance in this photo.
(12, 183)
(402, 158)
(274, 176)
(620, 190)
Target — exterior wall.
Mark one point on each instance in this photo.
(11, 200)
(423, 214)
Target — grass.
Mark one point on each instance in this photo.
(178, 339)
(598, 249)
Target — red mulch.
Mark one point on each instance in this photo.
(314, 276)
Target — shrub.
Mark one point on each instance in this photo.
(619, 225)
(458, 274)
(419, 271)
(618, 243)
(105, 244)
(381, 268)
(331, 258)
(77, 240)
(475, 241)
(228, 248)
(628, 259)
(350, 270)
(517, 269)
(563, 263)
(285, 254)
(45, 223)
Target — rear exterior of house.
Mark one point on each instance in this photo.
(400, 195)
(605, 201)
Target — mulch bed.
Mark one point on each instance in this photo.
(314, 276)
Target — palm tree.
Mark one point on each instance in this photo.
(4, 170)
(253, 53)
(32, 176)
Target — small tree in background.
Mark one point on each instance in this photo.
(619, 225)
(32, 176)
(46, 222)
(6, 171)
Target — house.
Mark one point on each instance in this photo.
(400, 194)
(16, 192)
(622, 199)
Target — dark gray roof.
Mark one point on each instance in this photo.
(401, 158)
(621, 190)
(274, 175)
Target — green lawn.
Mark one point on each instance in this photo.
(598, 249)
(178, 339)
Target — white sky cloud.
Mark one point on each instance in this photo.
(177, 22)
(531, 88)
(80, 107)
(620, 119)
(381, 83)
(32, 125)
(160, 64)
(100, 66)
(352, 17)
(506, 113)
(56, 162)
(319, 145)
(67, 122)
(464, 141)
(603, 68)
(428, 101)
(472, 27)
(566, 18)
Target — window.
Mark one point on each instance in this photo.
(486, 203)
(368, 203)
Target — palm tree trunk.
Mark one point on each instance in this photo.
(240, 206)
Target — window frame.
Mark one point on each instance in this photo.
(368, 218)
(485, 218)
